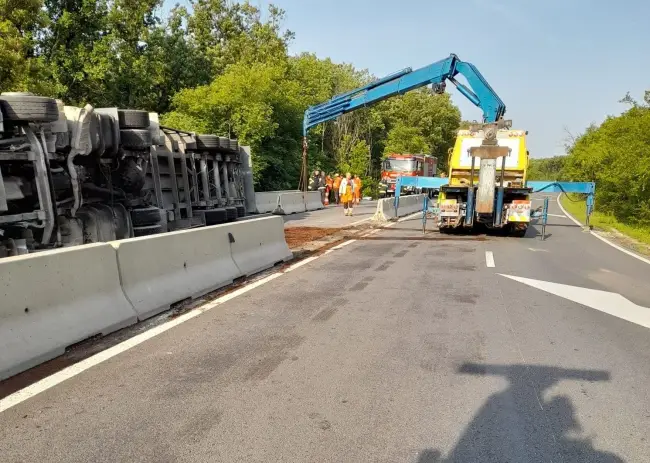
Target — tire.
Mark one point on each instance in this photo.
(518, 232)
(24, 107)
(216, 216)
(135, 139)
(148, 230)
(133, 119)
(96, 140)
(145, 216)
(106, 130)
(231, 213)
(233, 145)
(207, 142)
(241, 211)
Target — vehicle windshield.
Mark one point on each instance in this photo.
(400, 165)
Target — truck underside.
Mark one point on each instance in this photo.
(512, 217)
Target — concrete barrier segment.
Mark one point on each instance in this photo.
(157, 271)
(53, 299)
(290, 203)
(313, 201)
(258, 244)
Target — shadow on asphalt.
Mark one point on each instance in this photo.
(518, 425)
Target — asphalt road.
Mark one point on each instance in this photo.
(332, 216)
(395, 348)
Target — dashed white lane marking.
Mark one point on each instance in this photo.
(537, 250)
(557, 215)
(601, 238)
(489, 259)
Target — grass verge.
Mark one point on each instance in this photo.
(608, 223)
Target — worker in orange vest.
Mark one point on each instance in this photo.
(329, 183)
(336, 185)
(346, 191)
(357, 189)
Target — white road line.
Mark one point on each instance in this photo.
(557, 215)
(489, 259)
(359, 221)
(601, 238)
(409, 216)
(73, 370)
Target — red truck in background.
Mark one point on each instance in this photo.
(405, 165)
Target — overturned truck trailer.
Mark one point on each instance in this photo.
(71, 176)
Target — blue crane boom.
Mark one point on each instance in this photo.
(398, 83)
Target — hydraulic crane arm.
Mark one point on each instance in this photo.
(480, 93)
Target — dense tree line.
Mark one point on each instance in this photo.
(615, 155)
(221, 67)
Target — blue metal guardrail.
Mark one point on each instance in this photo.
(434, 183)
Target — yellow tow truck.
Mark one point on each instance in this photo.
(487, 187)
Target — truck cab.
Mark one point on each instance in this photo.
(406, 165)
(491, 192)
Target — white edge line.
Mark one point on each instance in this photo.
(629, 253)
(359, 221)
(79, 367)
(566, 213)
(601, 238)
(409, 216)
(489, 259)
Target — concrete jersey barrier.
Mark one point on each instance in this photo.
(290, 203)
(313, 201)
(258, 244)
(407, 205)
(267, 201)
(53, 299)
(157, 271)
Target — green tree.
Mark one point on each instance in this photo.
(21, 68)
(422, 122)
(546, 168)
(616, 156)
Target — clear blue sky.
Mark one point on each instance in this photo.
(555, 63)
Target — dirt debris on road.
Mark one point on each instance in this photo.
(298, 236)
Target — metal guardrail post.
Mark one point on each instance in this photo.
(544, 218)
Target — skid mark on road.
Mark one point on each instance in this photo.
(359, 286)
(383, 267)
(325, 314)
(276, 351)
(400, 254)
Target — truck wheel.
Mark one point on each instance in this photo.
(241, 211)
(207, 142)
(231, 213)
(519, 232)
(135, 139)
(233, 145)
(145, 216)
(26, 107)
(106, 127)
(148, 230)
(216, 216)
(133, 119)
